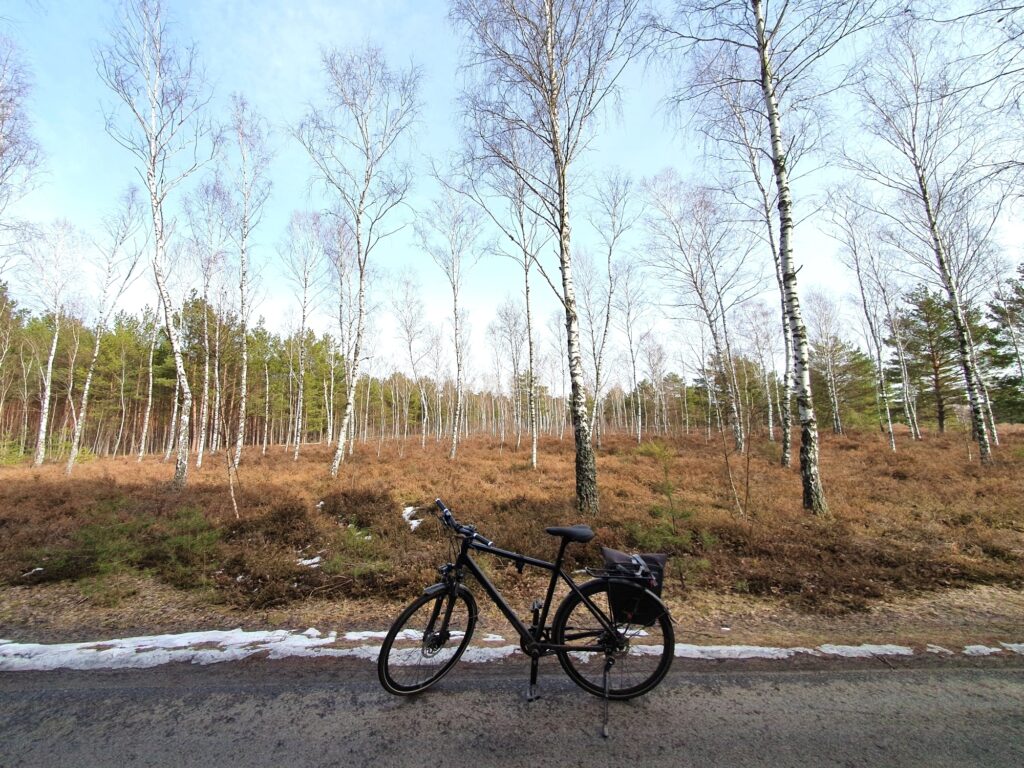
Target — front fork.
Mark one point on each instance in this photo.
(432, 637)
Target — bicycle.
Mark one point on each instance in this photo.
(614, 620)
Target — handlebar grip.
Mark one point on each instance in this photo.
(441, 506)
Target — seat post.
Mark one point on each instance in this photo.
(552, 584)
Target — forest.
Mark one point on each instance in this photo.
(887, 134)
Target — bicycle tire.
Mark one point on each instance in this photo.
(636, 669)
(411, 659)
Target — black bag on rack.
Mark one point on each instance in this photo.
(627, 572)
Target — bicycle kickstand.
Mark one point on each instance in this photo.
(531, 693)
(608, 662)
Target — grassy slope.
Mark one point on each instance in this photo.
(920, 520)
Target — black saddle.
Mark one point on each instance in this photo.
(578, 533)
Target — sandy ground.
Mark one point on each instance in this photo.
(136, 605)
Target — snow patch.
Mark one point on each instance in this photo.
(865, 651)
(980, 650)
(407, 515)
(234, 645)
(476, 655)
(312, 562)
(356, 636)
(153, 650)
(684, 651)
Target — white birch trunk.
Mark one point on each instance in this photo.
(813, 493)
(76, 438)
(149, 398)
(204, 409)
(44, 401)
(353, 365)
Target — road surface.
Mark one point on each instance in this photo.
(333, 713)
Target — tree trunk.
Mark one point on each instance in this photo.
(204, 408)
(174, 422)
(353, 365)
(44, 402)
(76, 439)
(266, 405)
(531, 385)
(813, 492)
(124, 409)
(300, 397)
(215, 436)
(185, 392)
(974, 397)
(587, 500)
(243, 385)
(149, 398)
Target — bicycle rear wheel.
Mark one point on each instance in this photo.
(426, 641)
(637, 667)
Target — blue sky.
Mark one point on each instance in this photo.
(270, 52)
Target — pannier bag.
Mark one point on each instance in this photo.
(630, 605)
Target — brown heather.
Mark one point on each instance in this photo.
(923, 519)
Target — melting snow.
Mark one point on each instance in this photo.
(407, 515)
(866, 650)
(684, 651)
(365, 635)
(233, 645)
(980, 650)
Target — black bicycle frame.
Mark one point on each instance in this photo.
(465, 561)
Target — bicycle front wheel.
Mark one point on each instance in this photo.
(640, 655)
(426, 640)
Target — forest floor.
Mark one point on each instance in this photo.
(923, 545)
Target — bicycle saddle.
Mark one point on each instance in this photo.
(580, 533)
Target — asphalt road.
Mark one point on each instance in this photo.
(333, 713)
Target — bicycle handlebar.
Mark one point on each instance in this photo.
(449, 521)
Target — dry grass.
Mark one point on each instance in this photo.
(920, 520)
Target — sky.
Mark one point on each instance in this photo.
(270, 52)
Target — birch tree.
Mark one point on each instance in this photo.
(931, 155)
(544, 69)
(860, 255)
(120, 253)
(152, 324)
(824, 324)
(780, 49)
(632, 305)
(207, 215)
(353, 142)
(252, 155)
(50, 270)
(414, 335)
(449, 233)
(731, 116)
(303, 254)
(511, 206)
(615, 213)
(161, 86)
(702, 257)
(596, 291)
